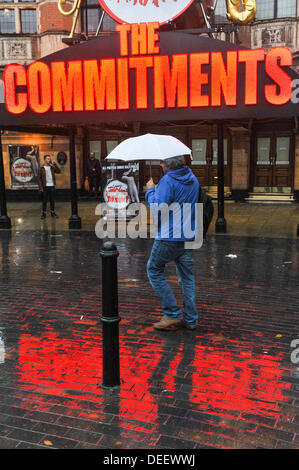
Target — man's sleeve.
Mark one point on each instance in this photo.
(39, 177)
(56, 168)
(163, 193)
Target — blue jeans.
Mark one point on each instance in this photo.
(162, 253)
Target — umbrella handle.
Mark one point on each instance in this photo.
(150, 168)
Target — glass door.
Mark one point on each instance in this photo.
(205, 159)
(96, 147)
(273, 168)
(282, 168)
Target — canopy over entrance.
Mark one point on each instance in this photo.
(168, 76)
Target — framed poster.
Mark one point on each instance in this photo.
(24, 166)
(120, 184)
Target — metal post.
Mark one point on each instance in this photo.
(74, 220)
(85, 148)
(110, 317)
(4, 219)
(100, 23)
(220, 222)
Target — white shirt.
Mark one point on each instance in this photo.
(49, 177)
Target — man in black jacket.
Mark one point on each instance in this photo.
(93, 171)
(46, 180)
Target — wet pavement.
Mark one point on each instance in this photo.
(274, 220)
(233, 383)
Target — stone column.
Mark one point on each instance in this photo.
(74, 220)
(240, 163)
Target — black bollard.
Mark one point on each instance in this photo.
(110, 317)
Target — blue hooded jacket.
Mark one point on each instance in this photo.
(179, 186)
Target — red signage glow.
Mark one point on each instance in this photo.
(161, 81)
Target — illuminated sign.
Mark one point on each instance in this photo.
(144, 75)
(144, 11)
(22, 170)
(116, 195)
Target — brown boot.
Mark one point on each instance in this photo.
(186, 325)
(166, 323)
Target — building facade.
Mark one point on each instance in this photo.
(261, 156)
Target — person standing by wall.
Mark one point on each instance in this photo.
(46, 179)
(93, 171)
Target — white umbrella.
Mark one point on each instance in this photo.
(149, 147)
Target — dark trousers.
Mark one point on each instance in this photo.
(48, 193)
(93, 182)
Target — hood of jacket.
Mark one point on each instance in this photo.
(183, 175)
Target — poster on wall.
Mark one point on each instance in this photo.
(120, 186)
(24, 166)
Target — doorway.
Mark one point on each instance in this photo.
(205, 160)
(273, 163)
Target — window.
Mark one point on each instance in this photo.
(283, 150)
(199, 151)
(28, 21)
(94, 14)
(263, 150)
(7, 21)
(265, 9)
(286, 8)
(110, 145)
(220, 12)
(215, 151)
(96, 147)
(108, 23)
(93, 19)
(268, 9)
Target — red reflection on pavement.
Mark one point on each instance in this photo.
(137, 366)
(221, 381)
(57, 364)
(169, 378)
(241, 382)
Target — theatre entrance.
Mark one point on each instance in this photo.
(205, 157)
(273, 163)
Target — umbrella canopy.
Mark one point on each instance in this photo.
(149, 147)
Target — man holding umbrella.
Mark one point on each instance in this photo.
(178, 185)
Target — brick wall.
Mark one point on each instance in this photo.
(52, 20)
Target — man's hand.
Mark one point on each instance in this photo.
(150, 184)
